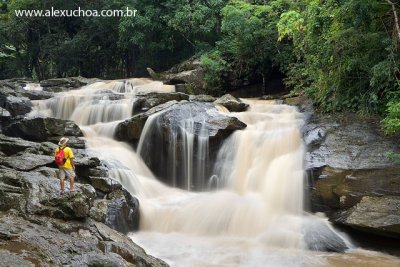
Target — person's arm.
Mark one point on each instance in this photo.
(72, 163)
(71, 159)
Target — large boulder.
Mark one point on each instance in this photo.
(347, 158)
(27, 161)
(145, 102)
(379, 215)
(232, 103)
(188, 76)
(18, 105)
(42, 129)
(131, 129)
(179, 128)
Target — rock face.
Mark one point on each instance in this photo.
(44, 241)
(232, 103)
(188, 76)
(41, 227)
(42, 129)
(347, 158)
(18, 105)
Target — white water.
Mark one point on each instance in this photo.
(254, 218)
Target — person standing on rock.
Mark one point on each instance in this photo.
(64, 158)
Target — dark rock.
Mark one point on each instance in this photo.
(181, 88)
(5, 118)
(350, 142)
(4, 93)
(232, 103)
(104, 184)
(130, 130)
(41, 129)
(347, 158)
(319, 235)
(166, 133)
(123, 212)
(36, 95)
(145, 102)
(379, 215)
(18, 105)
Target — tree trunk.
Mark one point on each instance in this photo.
(264, 82)
(396, 18)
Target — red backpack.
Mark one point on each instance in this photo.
(59, 158)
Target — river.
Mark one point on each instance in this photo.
(253, 213)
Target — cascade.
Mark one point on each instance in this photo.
(252, 215)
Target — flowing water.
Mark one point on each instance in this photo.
(252, 216)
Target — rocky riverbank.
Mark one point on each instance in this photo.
(351, 178)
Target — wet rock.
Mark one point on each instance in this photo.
(104, 184)
(232, 103)
(168, 130)
(36, 95)
(5, 92)
(379, 215)
(12, 145)
(347, 160)
(5, 115)
(130, 130)
(122, 245)
(319, 235)
(18, 105)
(150, 100)
(122, 212)
(41, 129)
(350, 142)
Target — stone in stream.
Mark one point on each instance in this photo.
(172, 127)
(232, 103)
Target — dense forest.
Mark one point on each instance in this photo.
(344, 54)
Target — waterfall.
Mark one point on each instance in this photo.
(182, 143)
(253, 216)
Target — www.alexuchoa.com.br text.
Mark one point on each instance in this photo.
(127, 12)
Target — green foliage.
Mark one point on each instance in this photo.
(248, 49)
(345, 58)
(392, 121)
(215, 71)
